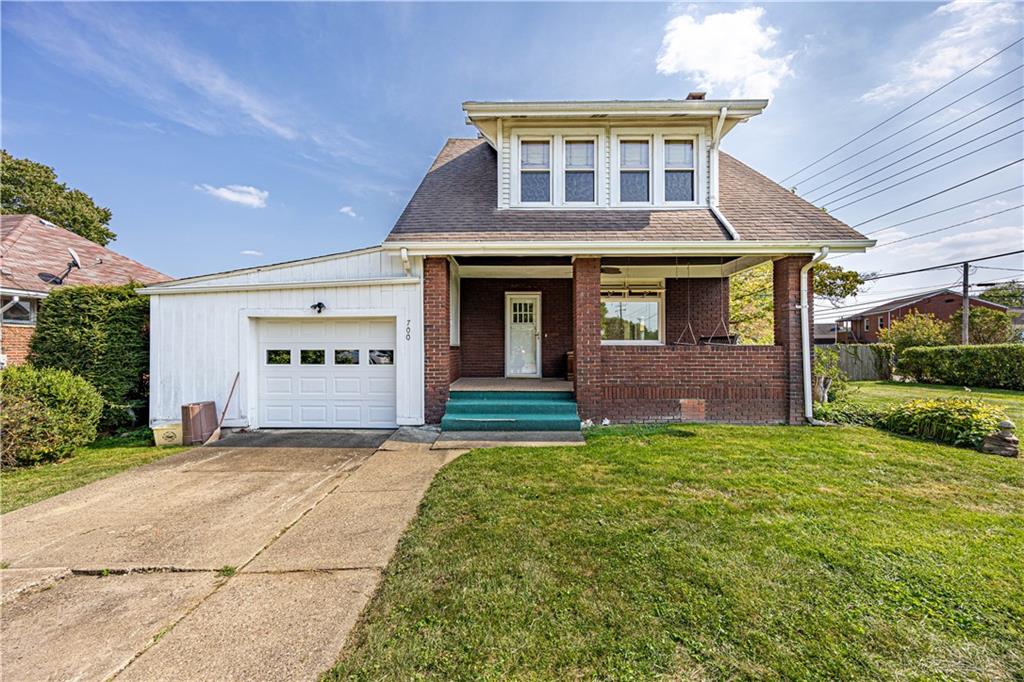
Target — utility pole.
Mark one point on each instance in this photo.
(965, 309)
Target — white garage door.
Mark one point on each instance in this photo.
(327, 374)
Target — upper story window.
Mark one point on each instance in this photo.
(535, 171)
(635, 171)
(679, 171)
(580, 171)
(22, 311)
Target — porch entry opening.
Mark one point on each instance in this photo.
(522, 335)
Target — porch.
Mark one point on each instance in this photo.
(649, 338)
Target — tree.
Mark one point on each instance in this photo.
(986, 326)
(30, 187)
(1010, 294)
(751, 305)
(915, 329)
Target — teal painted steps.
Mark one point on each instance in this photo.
(510, 411)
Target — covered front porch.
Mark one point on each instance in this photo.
(635, 338)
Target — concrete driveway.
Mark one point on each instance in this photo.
(251, 559)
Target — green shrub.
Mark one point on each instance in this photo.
(985, 326)
(100, 333)
(847, 412)
(915, 329)
(958, 421)
(995, 366)
(885, 358)
(830, 381)
(45, 414)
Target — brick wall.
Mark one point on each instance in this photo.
(483, 324)
(436, 338)
(14, 341)
(742, 384)
(786, 292)
(586, 297)
(455, 363)
(709, 306)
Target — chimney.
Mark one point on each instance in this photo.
(696, 95)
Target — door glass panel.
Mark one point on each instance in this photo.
(279, 357)
(346, 357)
(382, 357)
(311, 357)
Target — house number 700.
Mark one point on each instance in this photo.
(408, 330)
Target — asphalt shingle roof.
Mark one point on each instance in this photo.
(457, 201)
(33, 251)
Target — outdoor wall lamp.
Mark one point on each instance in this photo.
(318, 307)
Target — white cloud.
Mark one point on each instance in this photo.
(237, 194)
(733, 50)
(973, 31)
(250, 252)
(349, 211)
(971, 243)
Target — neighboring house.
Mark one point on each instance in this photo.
(866, 326)
(585, 239)
(826, 333)
(34, 255)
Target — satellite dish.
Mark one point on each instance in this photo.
(74, 258)
(76, 262)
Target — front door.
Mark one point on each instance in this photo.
(522, 335)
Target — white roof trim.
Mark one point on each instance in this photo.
(580, 248)
(738, 108)
(257, 286)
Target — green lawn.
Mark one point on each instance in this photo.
(880, 393)
(25, 485)
(707, 552)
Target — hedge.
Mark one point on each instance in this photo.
(993, 366)
(101, 333)
(45, 414)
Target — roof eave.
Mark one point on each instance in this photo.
(601, 248)
(737, 108)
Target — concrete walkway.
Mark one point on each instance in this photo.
(252, 559)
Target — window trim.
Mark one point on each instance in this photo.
(664, 171)
(557, 138)
(658, 137)
(519, 170)
(565, 139)
(617, 169)
(661, 322)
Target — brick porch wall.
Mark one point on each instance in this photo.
(786, 292)
(482, 325)
(14, 342)
(709, 305)
(437, 349)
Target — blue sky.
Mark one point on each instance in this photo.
(228, 135)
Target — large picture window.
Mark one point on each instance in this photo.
(631, 317)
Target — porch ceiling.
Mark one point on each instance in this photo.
(560, 267)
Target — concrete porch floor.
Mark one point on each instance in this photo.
(505, 384)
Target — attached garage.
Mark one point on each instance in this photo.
(329, 342)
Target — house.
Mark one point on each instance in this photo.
(826, 333)
(866, 326)
(35, 257)
(578, 248)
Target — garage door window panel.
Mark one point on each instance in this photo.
(279, 357)
(382, 357)
(312, 356)
(346, 357)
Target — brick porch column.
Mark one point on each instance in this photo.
(786, 286)
(436, 338)
(586, 299)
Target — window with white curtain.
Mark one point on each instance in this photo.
(679, 170)
(535, 171)
(635, 171)
(580, 171)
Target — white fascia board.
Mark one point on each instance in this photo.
(186, 281)
(740, 108)
(579, 248)
(319, 284)
(23, 292)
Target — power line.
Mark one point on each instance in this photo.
(872, 278)
(917, 139)
(944, 210)
(913, 177)
(921, 163)
(941, 229)
(940, 192)
(906, 108)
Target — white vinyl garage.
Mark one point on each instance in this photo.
(328, 342)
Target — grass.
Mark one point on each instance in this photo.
(707, 552)
(20, 486)
(883, 393)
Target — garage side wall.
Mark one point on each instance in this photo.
(200, 340)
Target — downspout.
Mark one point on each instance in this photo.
(713, 203)
(805, 341)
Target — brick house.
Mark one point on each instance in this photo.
(571, 261)
(865, 327)
(34, 254)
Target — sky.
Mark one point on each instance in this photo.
(230, 135)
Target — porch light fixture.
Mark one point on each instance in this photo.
(318, 307)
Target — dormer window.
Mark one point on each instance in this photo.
(635, 171)
(535, 171)
(679, 171)
(580, 171)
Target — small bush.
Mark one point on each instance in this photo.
(958, 421)
(995, 366)
(45, 414)
(847, 412)
(915, 329)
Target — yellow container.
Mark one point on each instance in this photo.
(168, 434)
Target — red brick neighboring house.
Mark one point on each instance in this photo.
(33, 255)
(606, 232)
(866, 326)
